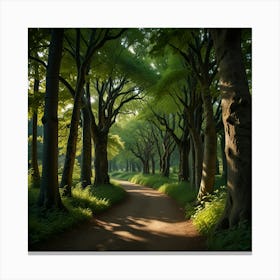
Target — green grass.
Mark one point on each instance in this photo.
(209, 211)
(180, 191)
(81, 207)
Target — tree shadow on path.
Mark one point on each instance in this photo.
(146, 221)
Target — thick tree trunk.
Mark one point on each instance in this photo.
(101, 159)
(49, 193)
(166, 166)
(210, 147)
(237, 119)
(86, 150)
(146, 167)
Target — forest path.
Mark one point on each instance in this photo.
(147, 221)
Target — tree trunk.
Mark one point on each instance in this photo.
(86, 150)
(49, 192)
(34, 159)
(153, 164)
(66, 180)
(210, 147)
(146, 168)
(184, 149)
(192, 160)
(197, 143)
(224, 159)
(101, 159)
(237, 120)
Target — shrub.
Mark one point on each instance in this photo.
(209, 211)
(237, 238)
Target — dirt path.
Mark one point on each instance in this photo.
(146, 221)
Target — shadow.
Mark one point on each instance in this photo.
(147, 221)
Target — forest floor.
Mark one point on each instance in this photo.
(146, 221)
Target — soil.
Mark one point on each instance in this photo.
(146, 221)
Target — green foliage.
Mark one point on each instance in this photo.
(209, 211)
(122, 175)
(181, 192)
(237, 238)
(83, 204)
(115, 145)
(154, 181)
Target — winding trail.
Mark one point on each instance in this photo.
(147, 221)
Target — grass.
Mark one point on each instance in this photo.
(81, 207)
(180, 191)
(207, 214)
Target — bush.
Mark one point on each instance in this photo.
(237, 238)
(209, 211)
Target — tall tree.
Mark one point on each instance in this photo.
(49, 196)
(237, 119)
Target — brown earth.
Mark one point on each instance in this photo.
(147, 221)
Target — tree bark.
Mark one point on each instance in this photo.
(34, 159)
(146, 168)
(184, 149)
(86, 150)
(197, 144)
(66, 180)
(101, 159)
(49, 193)
(224, 159)
(237, 120)
(210, 147)
(153, 164)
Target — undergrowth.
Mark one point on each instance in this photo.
(81, 206)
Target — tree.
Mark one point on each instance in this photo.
(34, 159)
(49, 196)
(113, 94)
(237, 120)
(142, 145)
(165, 146)
(198, 57)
